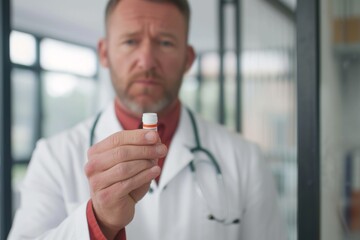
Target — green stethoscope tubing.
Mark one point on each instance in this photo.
(198, 147)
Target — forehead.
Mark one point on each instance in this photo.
(129, 14)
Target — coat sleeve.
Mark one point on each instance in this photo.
(262, 218)
(42, 213)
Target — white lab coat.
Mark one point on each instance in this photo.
(55, 191)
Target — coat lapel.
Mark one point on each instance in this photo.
(107, 124)
(179, 155)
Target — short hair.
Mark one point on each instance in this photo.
(182, 5)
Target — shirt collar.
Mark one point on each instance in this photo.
(168, 121)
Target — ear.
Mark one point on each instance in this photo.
(190, 57)
(103, 52)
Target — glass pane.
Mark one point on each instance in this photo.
(269, 96)
(65, 57)
(289, 3)
(202, 94)
(22, 48)
(18, 174)
(210, 86)
(189, 92)
(24, 110)
(67, 100)
(340, 120)
(230, 89)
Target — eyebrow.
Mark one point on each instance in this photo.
(169, 35)
(162, 34)
(129, 34)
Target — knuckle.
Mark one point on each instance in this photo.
(103, 197)
(94, 184)
(120, 153)
(132, 136)
(147, 164)
(92, 163)
(125, 185)
(122, 169)
(89, 168)
(147, 151)
(90, 151)
(116, 139)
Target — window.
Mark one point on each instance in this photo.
(268, 110)
(22, 48)
(24, 109)
(53, 88)
(64, 57)
(58, 93)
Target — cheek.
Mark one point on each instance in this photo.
(174, 66)
(119, 65)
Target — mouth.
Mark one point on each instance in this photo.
(147, 82)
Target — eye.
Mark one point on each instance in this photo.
(166, 43)
(130, 42)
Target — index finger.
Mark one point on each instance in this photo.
(125, 137)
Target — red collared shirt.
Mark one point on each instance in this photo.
(167, 125)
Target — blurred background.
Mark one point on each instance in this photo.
(56, 73)
(245, 77)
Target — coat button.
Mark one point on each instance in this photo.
(151, 190)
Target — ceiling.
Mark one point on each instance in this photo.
(81, 21)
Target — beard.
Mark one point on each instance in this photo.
(122, 92)
(139, 109)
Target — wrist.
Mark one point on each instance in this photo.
(109, 233)
(97, 228)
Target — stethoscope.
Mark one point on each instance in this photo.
(198, 149)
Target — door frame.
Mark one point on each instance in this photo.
(308, 91)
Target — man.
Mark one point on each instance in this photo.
(121, 186)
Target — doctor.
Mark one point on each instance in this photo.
(102, 179)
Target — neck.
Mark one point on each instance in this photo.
(161, 113)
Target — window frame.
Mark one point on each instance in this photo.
(5, 121)
(38, 70)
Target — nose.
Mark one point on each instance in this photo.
(147, 56)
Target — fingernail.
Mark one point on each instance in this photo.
(155, 169)
(161, 149)
(150, 136)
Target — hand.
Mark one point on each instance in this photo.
(119, 170)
